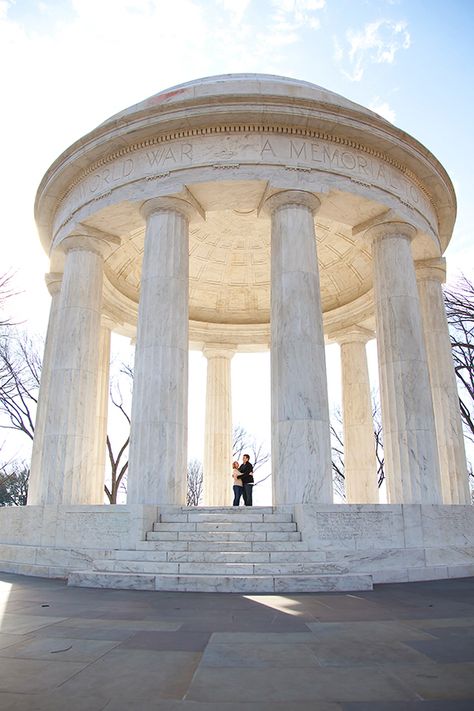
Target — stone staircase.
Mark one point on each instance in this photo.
(241, 550)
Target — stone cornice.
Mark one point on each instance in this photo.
(245, 128)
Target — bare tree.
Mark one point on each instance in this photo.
(118, 458)
(245, 443)
(195, 483)
(337, 454)
(6, 292)
(337, 447)
(20, 372)
(14, 478)
(118, 461)
(459, 301)
(378, 434)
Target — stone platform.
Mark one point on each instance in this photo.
(264, 549)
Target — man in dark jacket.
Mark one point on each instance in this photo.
(246, 475)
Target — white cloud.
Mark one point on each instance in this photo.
(338, 50)
(68, 71)
(382, 108)
(297, 14)
(235, 8)
(377, 43)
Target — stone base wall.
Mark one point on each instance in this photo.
(396, 543)
(50, 541)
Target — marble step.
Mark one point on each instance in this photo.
(302, 556)
(243, 516)
(223, 546)
(221, 583)
(234, 526)
(231, 510)
(223, 536)
(219, 568)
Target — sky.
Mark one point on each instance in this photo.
(67, 65)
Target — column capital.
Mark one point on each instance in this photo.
(291, 197)
(219, 350)
(397, 228)
(354, 334)
(431, 270)
(106, 322)
(53, 282)
(171, 204)
(89, 239)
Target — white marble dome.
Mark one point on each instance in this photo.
(226, 143)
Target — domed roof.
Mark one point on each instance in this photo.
(241, 104)
(217, 87)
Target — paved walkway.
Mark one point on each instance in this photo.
(401, 647)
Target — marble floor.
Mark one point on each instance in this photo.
(400, 647)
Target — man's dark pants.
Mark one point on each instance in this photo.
(248, 491)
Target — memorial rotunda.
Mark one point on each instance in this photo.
(240, 213)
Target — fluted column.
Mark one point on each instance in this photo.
(430, 275)
(217, 465)
(69, 439)
(360, 466)
(102, 410)
(411, 457)
(38, 482)
(301, 448)
(158, 441)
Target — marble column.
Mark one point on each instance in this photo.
(430, 275)
(410, 450)
(301, 447)
(69, 438)
(158, 439)
(103, 388)
(217, 465)
(360, 466)
(38, 482)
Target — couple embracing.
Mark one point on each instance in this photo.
(243, 481)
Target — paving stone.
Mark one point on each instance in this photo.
(440, 681)
(353, 653)
(448, 632)
(181, 641)
(421, 705)
(55, 701)
(137, 674)
(211, 624)
(28, 676)
(289, 685)
(186, 705)
(254, 656)
(79, 632)
(22, 624)
(367, 631)
(63, 649)
(261, 638)
(446, 650)
(114, 624)
(7, 640)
